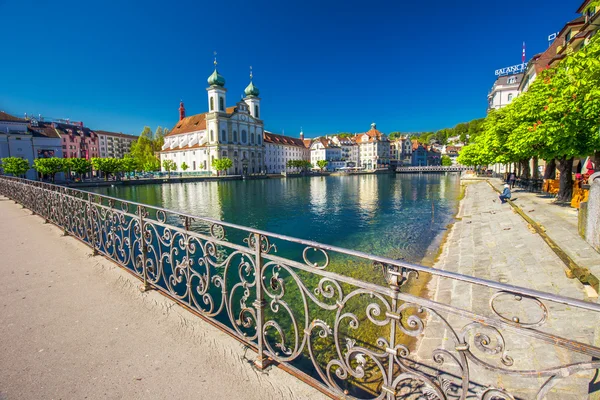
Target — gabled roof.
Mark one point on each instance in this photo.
(44, 130)
(577, 21)
(10, 118)
(283, 140)
(189, 124)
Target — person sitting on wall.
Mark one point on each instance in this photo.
(505, 194)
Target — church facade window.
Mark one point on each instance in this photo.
(221, 104)
(212, 104)
(244, 137)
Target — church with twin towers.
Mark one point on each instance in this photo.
(222, 132)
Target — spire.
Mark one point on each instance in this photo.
(216, 79)
(181, 110)
(301, 134)
(251, 90)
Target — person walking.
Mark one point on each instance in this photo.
(505, 194)
(512, 179)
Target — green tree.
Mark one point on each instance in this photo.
(221, 164)
(184, 166)
(322, 164)
(151, 165)
(143, 150)
(128, 164)
(395, 135)
(48, 166)
(108, 166)
(169, 165)
(80, 166)
(345, 135)
(159, 138)
(15, 165)
(446, 161)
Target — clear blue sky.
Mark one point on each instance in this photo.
(327, 66)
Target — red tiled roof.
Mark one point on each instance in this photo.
(307, 142)
(283, 140)
(189, 124)
(7, 117)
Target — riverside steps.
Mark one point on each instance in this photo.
(496, 318)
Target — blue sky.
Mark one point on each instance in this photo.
(326, 66)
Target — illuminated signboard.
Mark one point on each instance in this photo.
(514, 69)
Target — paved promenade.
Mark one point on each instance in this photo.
(76, 327)
(491, 241)
(560, 223)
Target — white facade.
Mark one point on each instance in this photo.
(323, 148)
(280, 149)
(504, 91)
(374, 149)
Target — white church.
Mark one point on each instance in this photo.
(233, 132)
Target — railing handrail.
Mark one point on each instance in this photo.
(355, 253)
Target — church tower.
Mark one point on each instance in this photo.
(181, 110)
(252, 98)
(216, 91)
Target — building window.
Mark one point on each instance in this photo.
(223, 136)
(568, 37)
(221, 104)
(193, 165)
(256, 111)
(224, 153)
(252, 137)
(244, 137)
(235, 136)
(212, 104)
(510, 97)
(212, 136)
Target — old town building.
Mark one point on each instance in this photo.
(280, 149)
(373, 149)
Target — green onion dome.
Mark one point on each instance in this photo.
(216, 79)
(251, 90)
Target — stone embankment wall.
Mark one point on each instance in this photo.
(589, 214)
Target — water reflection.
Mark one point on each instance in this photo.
(391, 215)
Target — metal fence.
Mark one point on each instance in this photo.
(295, 303)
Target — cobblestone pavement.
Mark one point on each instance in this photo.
(77, 327)
(489, 240)
(560, 223)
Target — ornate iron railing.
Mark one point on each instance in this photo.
(286, 299)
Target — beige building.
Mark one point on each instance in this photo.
(115, 145)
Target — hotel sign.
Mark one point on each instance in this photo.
(515, 69)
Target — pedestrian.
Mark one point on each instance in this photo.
(512, 179)
(505, 194)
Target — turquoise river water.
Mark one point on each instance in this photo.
(392, 215)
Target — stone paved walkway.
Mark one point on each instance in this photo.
(77, 327)
(491, 241)
(560, 223)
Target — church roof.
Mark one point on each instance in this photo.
(189, 124)
(283, 140)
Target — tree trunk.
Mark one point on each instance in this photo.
(596, 161)
(565, 192)
(525, 171)
(550, 171)
(536, 170)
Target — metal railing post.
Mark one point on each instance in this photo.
(144, 248)
(261, 361)
(92, 232)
